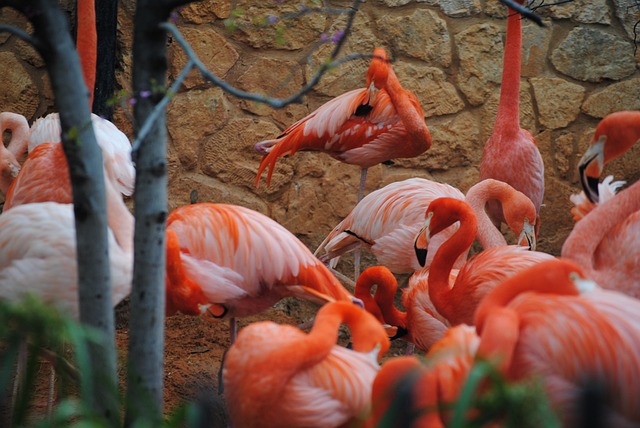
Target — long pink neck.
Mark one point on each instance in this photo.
(587, 234)
(411, 115)
(387, 286)
(441, 295)
(477, 197)
(19, 128)
(121, 221)
(508, 116)
(87, 43)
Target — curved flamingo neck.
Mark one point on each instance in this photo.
(508, 116)
(477, 197)
(549, 277)
(442, 296)
(87, 43)
(410, 114)
(19, 128)
(366, 332)
(381, 305)
(120, 219)
(587, 234)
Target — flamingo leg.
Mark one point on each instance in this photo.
(410, 349)
(233, 330)
(52, 390)
(21, 368)
(363, 179)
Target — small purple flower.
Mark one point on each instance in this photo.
(272, 19)
(324, 38)
(132, 101)
(145, 94)
(337, 36)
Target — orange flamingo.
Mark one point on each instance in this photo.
(387, 220)
(457, 302)
(418, 390)
(276, 375)
(605, 242)
(511, 154)
(607, 189)
(538, 323)
(17, 147)
(238, 262)
(363, 127)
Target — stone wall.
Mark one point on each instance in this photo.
(577, 69)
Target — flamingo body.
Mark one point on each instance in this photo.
(276, 375)
(362, 127)
(242, 260)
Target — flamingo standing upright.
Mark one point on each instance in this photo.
(511, 154)
(363, 127)
(550, 323)
(276, 375)
(605, 241)
(387, 220)
(239, 262)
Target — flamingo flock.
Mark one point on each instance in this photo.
(571, 323)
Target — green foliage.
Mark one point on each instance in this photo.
(51, 335)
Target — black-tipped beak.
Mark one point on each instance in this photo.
(589, 184)
(421, 253)
(400, 333)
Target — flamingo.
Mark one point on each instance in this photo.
(9, 164)
(363, 127)
(457, 302)
(235, 262)
(511, 154)
(45, 174)
(607, 189)
(387, 220)
(604, 242)
(407, 392)
(276, 375)
(549, 322)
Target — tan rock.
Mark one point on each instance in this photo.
(275, 79)
(618, 96)
(422, 35)
(556, 220)
(535, 48)
(627, 13)
(18, 93)
(558, 101)
(253, 26)
(460, 8)
(215, 52)
(527, 114)
(564, 149)
(583, 11)
(592, 55)
(437, 96)
(228, 155)
(480, 50)
(208, 112)
(205, 11)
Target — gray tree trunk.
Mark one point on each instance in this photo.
(55, 44)
(146, 325)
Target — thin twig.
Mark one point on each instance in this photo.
(20, 33)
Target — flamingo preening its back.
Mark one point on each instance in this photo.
(277, 375)
(363, 127)
(239, 262)
(17, 147)
(511, 154)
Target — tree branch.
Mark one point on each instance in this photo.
(20, 33)
(522, 10)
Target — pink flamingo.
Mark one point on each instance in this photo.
(363, 127)
(605, 242)
(511, 154)
(17, 147)
(276, 375)
(387, 220)
(538, 323)
(237, 262)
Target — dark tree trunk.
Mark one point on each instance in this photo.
(56, 46)
(106, 26)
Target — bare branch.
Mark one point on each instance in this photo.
(20, 33)
(526, 13)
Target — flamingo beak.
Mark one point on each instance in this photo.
(582, 284)
(528, 236)
(422, 241)
(588, 182)
(373, 92)
(358, 302)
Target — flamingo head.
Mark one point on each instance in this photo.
(15, 149)
(378, 70)
(520, 215)
(614, 135)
